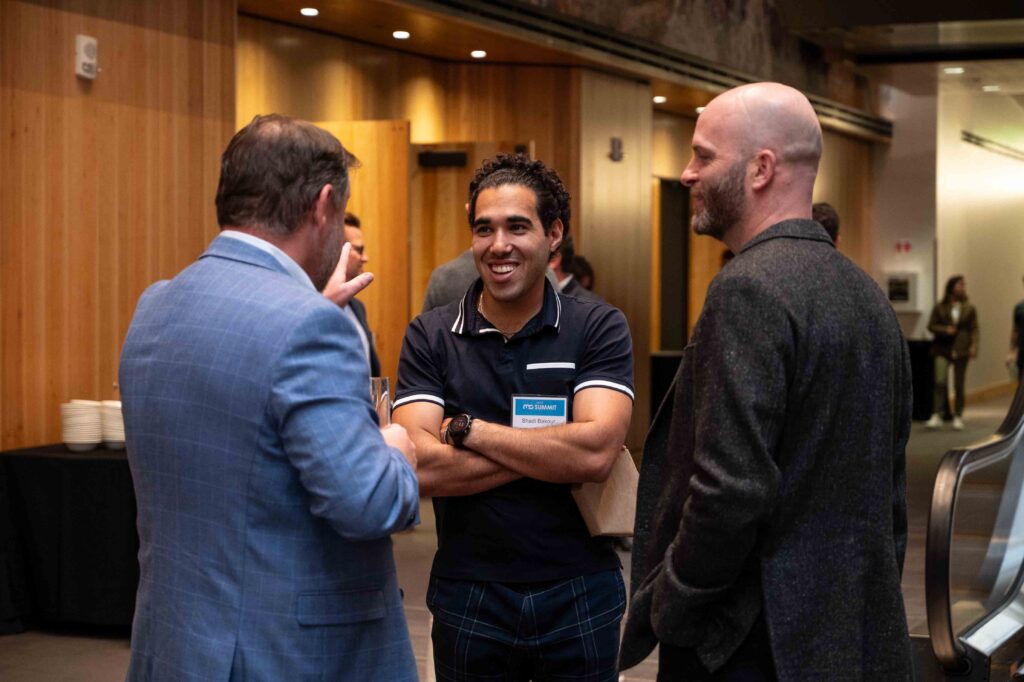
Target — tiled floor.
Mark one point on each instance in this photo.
(73, 656)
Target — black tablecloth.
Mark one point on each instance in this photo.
(68, 545)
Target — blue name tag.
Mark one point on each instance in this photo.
(534, 411)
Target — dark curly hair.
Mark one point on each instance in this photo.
(518, 169)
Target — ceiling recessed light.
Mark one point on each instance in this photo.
(401, 35)
(309, 11)
(660, 99)
(953, 70)
(700, 110)
(990, 88)
(477, 54)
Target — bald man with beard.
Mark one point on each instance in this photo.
(771, 518)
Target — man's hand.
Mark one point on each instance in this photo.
(338, 289)
(397, 437)
(447, 471)
(951, 329)
(580, 451)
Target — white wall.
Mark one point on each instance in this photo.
(980, 226)
(904, 196)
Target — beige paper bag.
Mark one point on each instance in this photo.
(609, 508)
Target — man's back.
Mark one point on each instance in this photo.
(841, 506)
(255, 455)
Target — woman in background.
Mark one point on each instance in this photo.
(954, 323)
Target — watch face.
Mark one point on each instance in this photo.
(458, 423)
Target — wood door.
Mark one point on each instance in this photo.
(380, 197)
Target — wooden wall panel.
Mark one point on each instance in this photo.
(705, 262)
(520, 105)
(670, 154)
(324, 78)
(318, 77)
(107, 185)
(439, 228)
(656, 266)
(380, 197)
(614, 210)
(670, 151)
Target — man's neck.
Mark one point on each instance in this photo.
(747, 229)
(291, 244)
(511, 316)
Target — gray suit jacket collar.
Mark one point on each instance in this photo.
(795, 228)
(243, 252)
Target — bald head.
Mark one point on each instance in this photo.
(755, 157)
(771, 116)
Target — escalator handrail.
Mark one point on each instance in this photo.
(954, 466)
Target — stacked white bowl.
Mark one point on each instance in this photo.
(81, 424)
(113, 424)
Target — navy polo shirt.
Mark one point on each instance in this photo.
(526, 530)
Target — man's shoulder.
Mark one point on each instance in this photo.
(797, 276)
(437, 320)
(588, 314)
(243, 290)
(574, 288)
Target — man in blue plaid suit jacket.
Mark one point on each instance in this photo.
(266, 490)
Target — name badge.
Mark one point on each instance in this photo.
(535, 411)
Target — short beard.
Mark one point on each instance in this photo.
(329, 256)
(723, 204)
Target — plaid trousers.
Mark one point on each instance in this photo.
(558, 630)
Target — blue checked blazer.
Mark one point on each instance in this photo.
(266, 494)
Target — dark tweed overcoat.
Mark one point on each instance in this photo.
(773, 479)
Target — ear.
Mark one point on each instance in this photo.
(323, 207)
(764, 163)
(556, 232)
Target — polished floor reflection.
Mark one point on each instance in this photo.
(77, 656)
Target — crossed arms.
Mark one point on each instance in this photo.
(494, 455)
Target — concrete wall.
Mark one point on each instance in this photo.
(904, 197)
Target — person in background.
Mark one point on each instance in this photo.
(771, 514)
(448, 282)
(561, 264)
(266, 490)
(512, 394)
(954, 324)
(357, 260)
(1015, 358)
(583, 271)
(825, 214)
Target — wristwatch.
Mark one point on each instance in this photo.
(458, 429)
